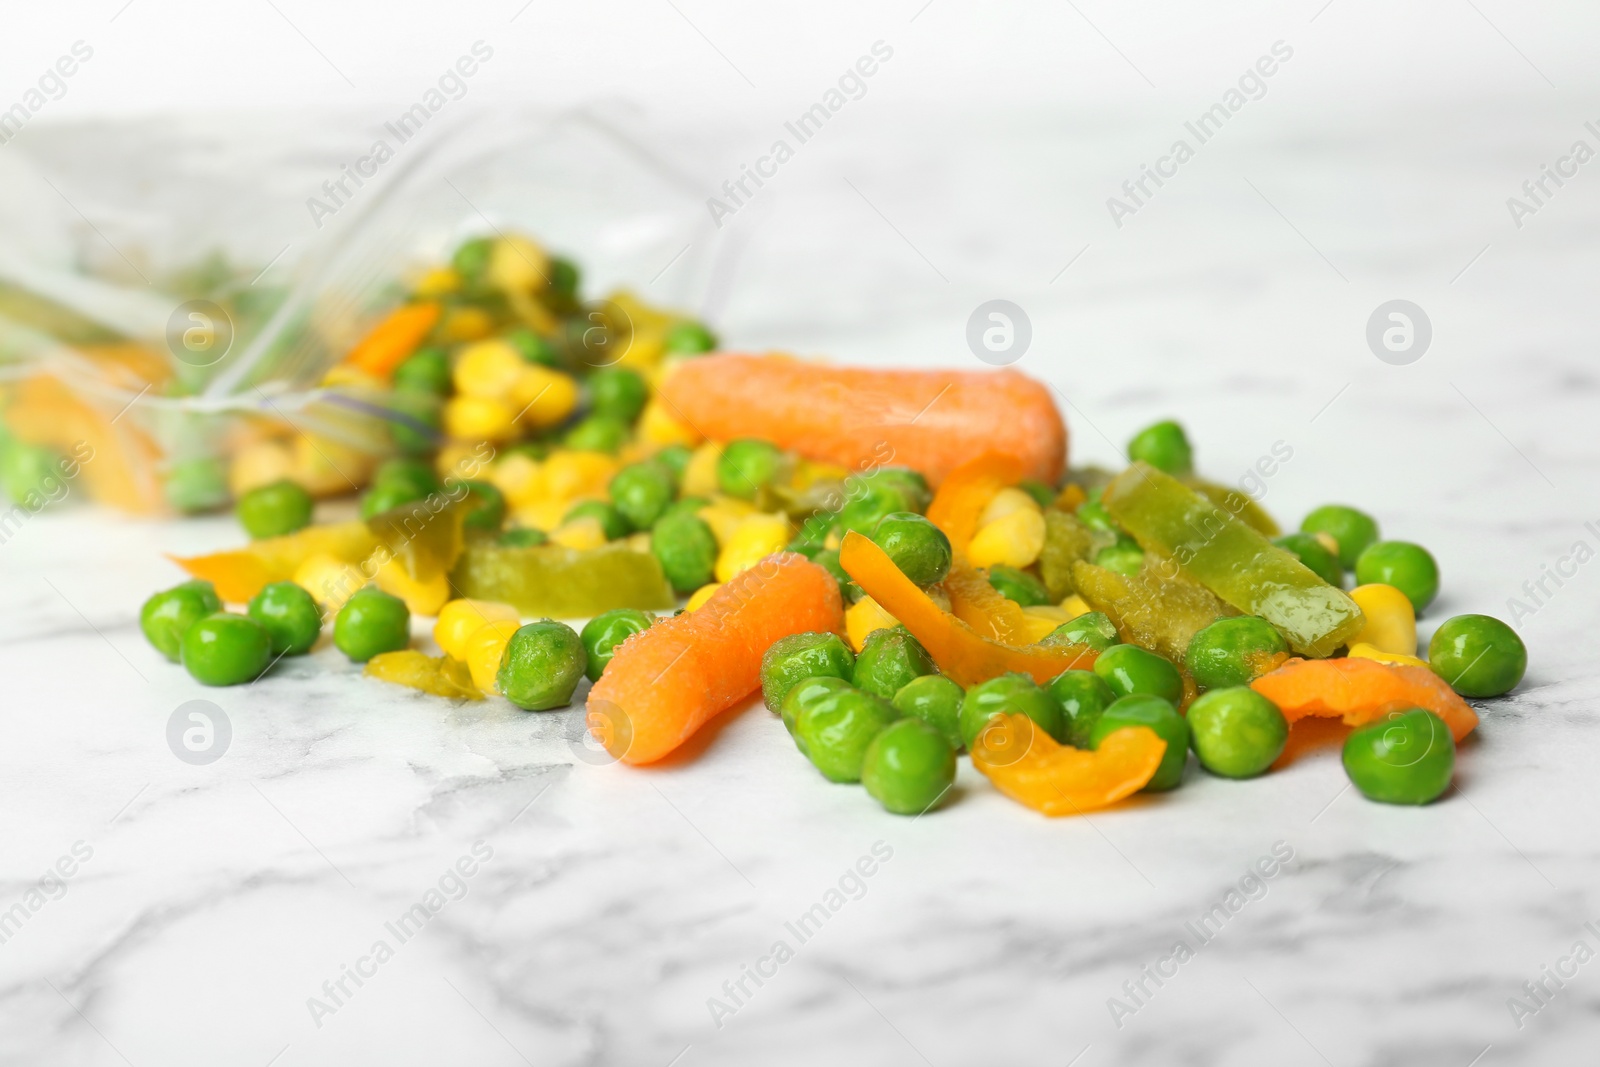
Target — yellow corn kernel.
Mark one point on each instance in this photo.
(488, 369)
(438, 282)
(544, 513)
(698, 598)
(808, 473)
(581, 533)
(700, 476)
(258, 464)
(1074, 606)
(476, 418)
(753, 540)
(833, 540)
(461, 459)
(329, 580)
(1040, 619)
(659, 426)
(485, 646)
(645, 348)
(464, 323)
(641, 314)
(865, 616)
(422, 598)
(639, 542)
(1362, 650)
(326, 467)
(460, 619)
(518, 265)
(543, 397)
(1015, 540)
(1326, 540)
(1006, 502)
(518, 476)
(724, 515)
(1391, 624)
(572, 475)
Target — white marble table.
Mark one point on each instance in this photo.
(607, 907)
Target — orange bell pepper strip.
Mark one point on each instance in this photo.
(983, 607)
(1362, 691)
(961, 498)
(1030, 767)
(960, 651)
(388, 344)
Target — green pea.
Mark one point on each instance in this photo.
(811, 539)
(1042, 494)
(802, 695)
(936, 700)
(371, 622)
(1131, 670)
(1092, 630)
(908, 767)
(1082, 695)
(689, 337)
(602, 511)
(1234, 651)
(618, 392)
(224, 649)
(471, 258)
(289, 615)
(676, 459)
(489, 508)
(167, 615)
(1164, 446)
(746, 465)
(415, 474)
(427, 370)
(564, 276)
(1353, 530)
(533, 347)
(542, 665)
(835, 729)
(195, 485)
(538, 451)
(687, 505)
(642, 492)
(828, 559)
(413, 418)
(603, 633)
(1094, 515)
(1238, 733)
(1010, 694)
(918, 547)
(1406, 758)
(792, 659)
(1144, 709)
(1479, 655)
(385, 498)
(1409, 568)
(1018, 585)
(888, 660)
(1315, 555)
(522, 537)
(867, 503)
(913, 486)
(597, 433)
(31, 473)
(686, 550)
(1124, 559)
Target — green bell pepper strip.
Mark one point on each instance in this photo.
(1227, 555)
(562, 583)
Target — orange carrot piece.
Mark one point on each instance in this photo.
(1361, 691)
(392, 340)
(959, 650)
(962, 496)
(1028, 766)
(666, 682)
(928, 420)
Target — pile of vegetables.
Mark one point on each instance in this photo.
(900, 562)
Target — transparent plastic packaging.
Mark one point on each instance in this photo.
(173, 290)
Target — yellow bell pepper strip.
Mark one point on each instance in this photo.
(240, 574)
(1160, 614)
(1031, 768)
(959, 650)
(562, 583)
(392, 340)
(1209, 545)
(962, 497)
(424, 536)
(440, 675)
